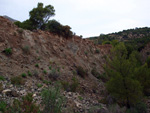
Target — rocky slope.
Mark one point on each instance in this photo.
(40, 52)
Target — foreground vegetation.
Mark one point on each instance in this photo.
(52, 102)
(129, 78)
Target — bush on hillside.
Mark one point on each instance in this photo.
(25, 105)
(18, 80)
(55, 27)
(8, 51)
(52, 100)
(66, 32)
(81, 72)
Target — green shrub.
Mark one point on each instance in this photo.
(50, 67)
(44, 71)
(80, 98)
(39, 85)
(86, 53)
(2, 78)
(65, 85)
(66, 32)
(3, 106)
(54, 74)
(56, 28)
(8, 51)
(97, 51)
(25, 105)
(29, 73)
(36, 65)
(139, 108)
(74, 85)
(52, 100)
(47, 82)
(23, 75)
(16, 107)
(17, 80)
(106, 42)
(58, 69)
(81, 72)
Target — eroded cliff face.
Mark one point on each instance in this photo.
(49, 51)
(30, 48)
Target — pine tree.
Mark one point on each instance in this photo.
(143, 76)
(122, 84)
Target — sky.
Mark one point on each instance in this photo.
(86, 17)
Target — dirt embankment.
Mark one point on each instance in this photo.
(38, 51)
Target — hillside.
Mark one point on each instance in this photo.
(135, 39)
(31, 61)
(41, 57)
(125, 34)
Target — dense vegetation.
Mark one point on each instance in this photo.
(123, 35)
(39, 19)
(134, 39)
(129, 78)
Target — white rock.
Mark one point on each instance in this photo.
(34, 95)
(6, 90)
(79, 105)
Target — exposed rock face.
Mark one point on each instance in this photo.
(41, 51)
(27, 47)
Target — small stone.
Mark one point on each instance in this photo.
(6, 91)
(34, 95)
(11, 86)
(79, 105)
(23, 92)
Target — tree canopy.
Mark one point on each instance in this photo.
(122, 84)
(39, 19)
(39, 16)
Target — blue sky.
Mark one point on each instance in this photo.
(87, 17)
